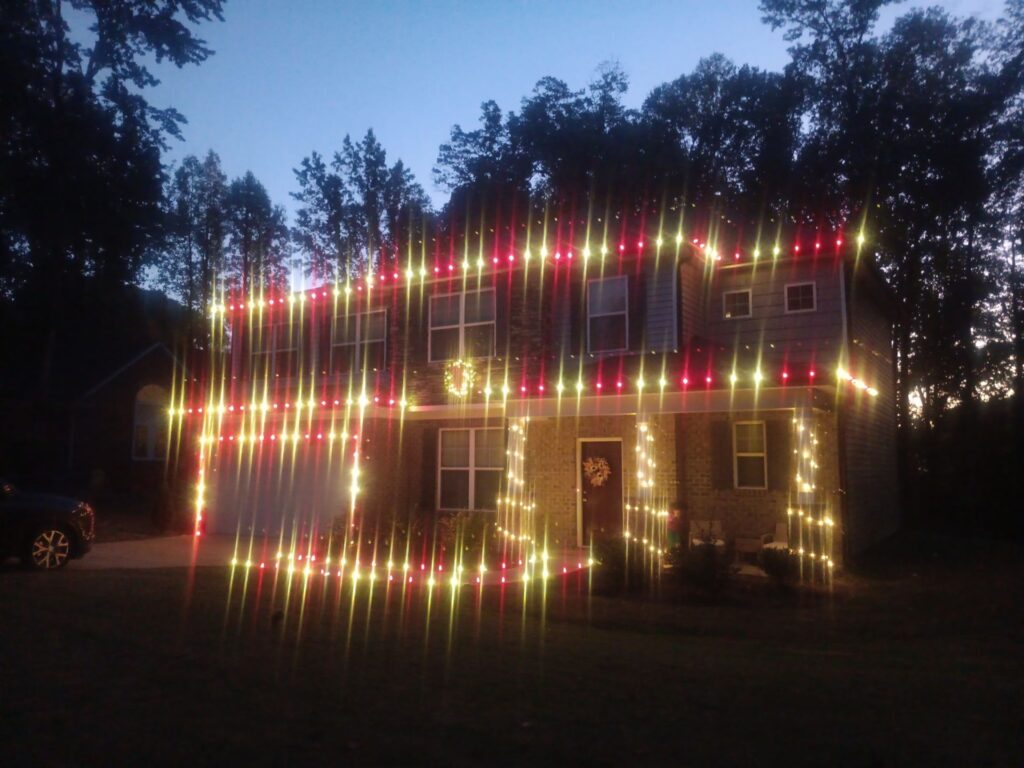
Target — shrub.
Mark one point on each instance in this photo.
(618, 567)
(779, 564)
(703, 567)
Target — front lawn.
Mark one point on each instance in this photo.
(915, 664)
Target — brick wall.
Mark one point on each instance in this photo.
(745, 512)
(550, 466)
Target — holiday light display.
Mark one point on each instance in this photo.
(254, 413)
(645, 518)
(459, 378)
(414, 272)
(810, 522)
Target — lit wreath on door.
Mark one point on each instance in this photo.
(597, 471)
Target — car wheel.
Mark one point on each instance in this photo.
(48, 550)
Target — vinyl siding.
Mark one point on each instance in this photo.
(806, 337)
(662, 307)
(869, 424)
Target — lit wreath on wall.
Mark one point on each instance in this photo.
(597, 471)
(459, 377)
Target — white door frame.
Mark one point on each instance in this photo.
(579, 479)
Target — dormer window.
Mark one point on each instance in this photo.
(736, 304)
(800, 297)
(608, 314)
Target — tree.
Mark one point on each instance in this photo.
(1008, 194)
(80, 170)
(322, 223)
(733, 134)
(356, 210)
(193, 252)
(257, 255)
(80, 173)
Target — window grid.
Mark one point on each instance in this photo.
(461, 325)
(797, 294)
(471, 467)
(761, 454)
(729, 310)
(275, 338)
(624, 313)
(361, 340)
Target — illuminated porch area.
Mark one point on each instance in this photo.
(471, 485)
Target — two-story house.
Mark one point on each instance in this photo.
(565, 391)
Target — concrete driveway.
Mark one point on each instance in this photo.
(162, 552)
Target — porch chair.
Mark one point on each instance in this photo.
(706, 533)
(778, 540)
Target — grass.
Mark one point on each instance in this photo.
(915, 660)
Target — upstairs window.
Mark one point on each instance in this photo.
(608, 314)
(359, 341)
(736, 304)
(275, 348)
(471, 464)
(462, 325)
(800, 297)
(749, 455)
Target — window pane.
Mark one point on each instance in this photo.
(737, 304)
(444, 344)
(444, 310)
(607, 333)
(608, 295)
(285, 363)
(454, 489)
(374, 326)
(287, 336)
(480, 306)
(159, 444)
(750, 472)
(345, 330)
(262, 340)
(486, 486)
(455, 448)
(800, 298)
(373, 355)
(489, 448)
(260, 363)
(141, 447)
(749, 438)
(343, 359)
(479, 341)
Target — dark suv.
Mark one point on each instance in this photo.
(44, 531)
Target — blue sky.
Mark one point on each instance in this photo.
(290, 77)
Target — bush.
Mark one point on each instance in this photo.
(703, 567)
(617, 567)
(778, 564)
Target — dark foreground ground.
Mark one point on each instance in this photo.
(916, 661)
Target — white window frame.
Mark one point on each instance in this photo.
(360, 342)
(462, 325)
(736, 455)
(800, 284)
(750, 304)
(624, 313)
(471, 469)
(261, 352)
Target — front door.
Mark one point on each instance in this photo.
(600, 483)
